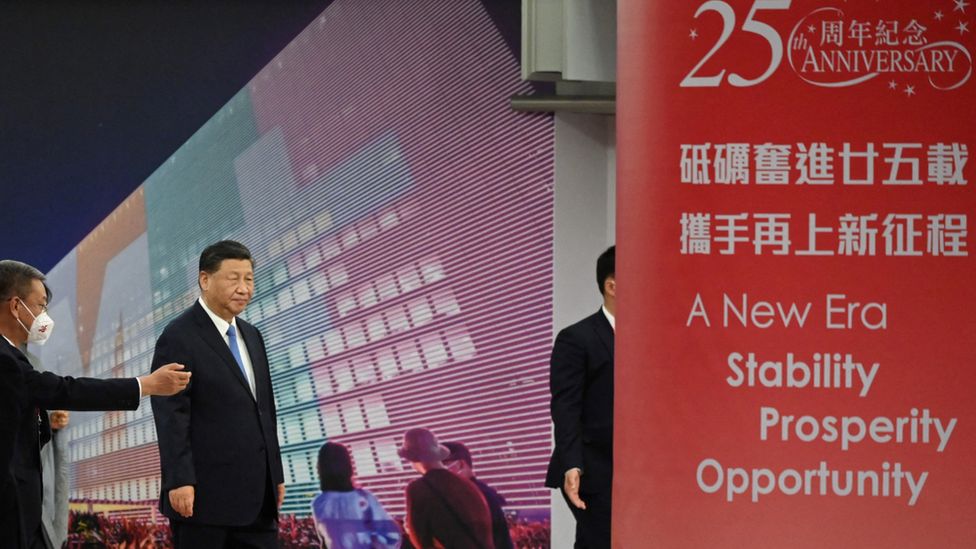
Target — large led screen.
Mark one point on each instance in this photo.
(400, 214)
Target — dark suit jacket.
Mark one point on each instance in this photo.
(13, 399)
(215, 435)
(43, 391)
(581, 383)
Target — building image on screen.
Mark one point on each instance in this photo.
(400, 215)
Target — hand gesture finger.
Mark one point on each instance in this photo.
(171, 379)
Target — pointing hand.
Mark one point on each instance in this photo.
(165, 381)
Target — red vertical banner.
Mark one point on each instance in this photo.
(796, 356)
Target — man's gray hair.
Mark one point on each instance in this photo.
(16, 277)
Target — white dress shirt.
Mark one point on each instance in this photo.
(222, 326)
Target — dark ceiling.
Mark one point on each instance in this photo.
(95, 95)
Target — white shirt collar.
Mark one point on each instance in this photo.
(220, 323)
(10, 342)
(610, 318)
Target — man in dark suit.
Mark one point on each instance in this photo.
(581, 383)
(218, 445)
(23, 317)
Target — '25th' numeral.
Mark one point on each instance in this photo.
(693, 80)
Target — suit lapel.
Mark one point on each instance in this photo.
(604, 331)
(212, 337)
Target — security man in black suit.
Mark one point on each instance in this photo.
(581, 384)
(23, 317)
(222, 480)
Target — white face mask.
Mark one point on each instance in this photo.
(41, 329)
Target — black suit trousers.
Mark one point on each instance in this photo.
(592, 523)
(261, 534)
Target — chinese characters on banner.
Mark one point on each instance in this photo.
(797, 347)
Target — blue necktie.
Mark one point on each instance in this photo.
(234, 350)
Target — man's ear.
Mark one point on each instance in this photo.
(610, 286)
(203, 280)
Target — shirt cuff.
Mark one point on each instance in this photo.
(139, 382)
(573, 469)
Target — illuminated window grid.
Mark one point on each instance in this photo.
(333, 378)
(122, 345)
(490, 381)
(497, 407)
(320, 247)
(427, 350)
(111, 453)
(129, 358)
(134, 366)
(391, 285)
(295, 293)
(101, 435)
(308, 229)
(301, 425)
(125, 475)
(354, 415)
(314, 422)
(168, 306)
(320, 251)
(362, 331)
(331, 245)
